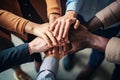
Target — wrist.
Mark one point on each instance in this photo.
(52, 55)
(71, 14)
(94, 24)
(53, 17)
(30, 27)
(99, 43)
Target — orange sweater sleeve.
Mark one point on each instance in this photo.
(53, 6)
(12, 22)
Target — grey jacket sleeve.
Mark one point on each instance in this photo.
(110, 14)
(48, 69)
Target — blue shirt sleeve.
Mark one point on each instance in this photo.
(48, 69)
(71, 5)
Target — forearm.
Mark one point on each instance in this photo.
(110, 14)
(94, 24)
(98, 42)
(105, 17)
(12, 22)
(14, 56)
(29, 27)
(53, 7)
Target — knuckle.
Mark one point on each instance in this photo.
(68, 20)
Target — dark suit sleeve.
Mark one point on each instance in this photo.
(14, 56)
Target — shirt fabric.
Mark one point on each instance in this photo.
(48, 69)
(14, 56)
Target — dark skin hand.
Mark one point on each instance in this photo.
(82, 38)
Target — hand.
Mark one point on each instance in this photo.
(41, 30)
(38, 45)
(61, 26)
(80, 39)
(56, 52)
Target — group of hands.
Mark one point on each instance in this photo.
(61, 36)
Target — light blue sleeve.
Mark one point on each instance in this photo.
(71, 5)
(48, 69)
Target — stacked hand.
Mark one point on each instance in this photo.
(50, 35)
(41, 30)
(62, 25)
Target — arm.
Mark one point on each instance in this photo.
(21, 54)
(14, 56)
(53, 7)
(49, 67)
(12, 22)
(111, 14)
(20, 25)
(89, 40)
(105, 17)
(53, 10)
(61, 26)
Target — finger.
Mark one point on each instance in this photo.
(52, 38)
(65, 48)
(47, 40)
(57, 28)
(50, 51)
(77, 24)
(61, 50)
(66, 29)
(52, 26)
(55, 50)
(61, 30)
(66, 39)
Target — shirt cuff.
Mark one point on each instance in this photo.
(71, 5)
(51, 64)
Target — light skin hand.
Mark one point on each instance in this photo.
(41, 30)
(56, 52)
(52, 18)
(61, 26)
(38, 45)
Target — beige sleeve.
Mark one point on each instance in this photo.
(112, 51)
(110, 14)
(12, 22)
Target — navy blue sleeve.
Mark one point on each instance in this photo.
(14, 56)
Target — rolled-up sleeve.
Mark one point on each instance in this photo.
(12, 22)
(112, 51)
(110, 14)
(48, 69)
